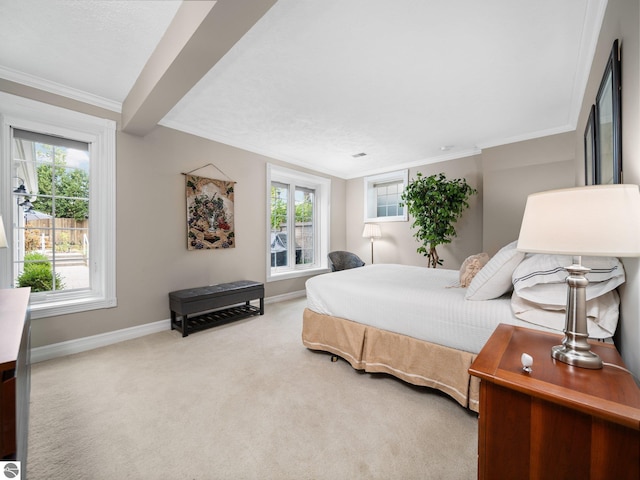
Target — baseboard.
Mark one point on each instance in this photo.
(285, 296)
(48, 352)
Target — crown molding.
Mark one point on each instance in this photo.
(58, 89)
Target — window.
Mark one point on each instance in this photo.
(59, 206)
(298, 223)
(51, 215)
(382, 197)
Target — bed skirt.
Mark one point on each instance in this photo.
(375, 350)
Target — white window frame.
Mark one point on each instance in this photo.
(322, 187)
(99, 133)
(370, 199)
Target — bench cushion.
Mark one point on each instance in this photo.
(198, 299)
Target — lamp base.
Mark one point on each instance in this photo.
(577, 358)
(575, 349)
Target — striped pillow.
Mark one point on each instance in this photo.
(541, 278)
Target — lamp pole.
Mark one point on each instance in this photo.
(372, 250)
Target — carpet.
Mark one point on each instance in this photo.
(243, 400)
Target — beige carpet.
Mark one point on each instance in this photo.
(242, 401)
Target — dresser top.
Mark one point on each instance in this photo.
(14, 303)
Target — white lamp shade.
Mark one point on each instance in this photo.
(3, 237)
(371, 230)
(597, 220)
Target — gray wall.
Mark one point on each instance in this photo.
(621, 21)
(511, 172)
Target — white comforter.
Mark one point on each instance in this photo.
(419, 302)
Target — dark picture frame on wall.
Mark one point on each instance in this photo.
(608, 123)
(590, 148)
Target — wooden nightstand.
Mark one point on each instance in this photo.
(558, 421)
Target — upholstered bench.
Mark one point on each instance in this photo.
(208, 301)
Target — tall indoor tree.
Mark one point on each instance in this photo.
(435, 204)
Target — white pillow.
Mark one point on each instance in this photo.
(602, 314)
(541, 278)
(494, 279)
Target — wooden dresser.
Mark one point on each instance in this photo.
(15, 330)
(558, 421)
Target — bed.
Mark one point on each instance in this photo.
(426, 326)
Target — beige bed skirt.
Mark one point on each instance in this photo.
(374, 350)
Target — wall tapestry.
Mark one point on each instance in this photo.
(210, 220)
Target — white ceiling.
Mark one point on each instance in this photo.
(314, 82)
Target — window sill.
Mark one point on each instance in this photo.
(399, 218)
(44, 309)
(274, 277)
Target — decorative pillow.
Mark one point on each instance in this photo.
(542, 278)
(471, 266)
(494, 280)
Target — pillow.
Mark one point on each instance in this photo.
(602, 314)
(471, 266)
(494, 280)
(541, 278)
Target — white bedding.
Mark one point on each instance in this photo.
(419, 302)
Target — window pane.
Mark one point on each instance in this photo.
(36, 271)
(71, 255)
(51, 214)
(279, 212)
(388, 199)
(304, 201)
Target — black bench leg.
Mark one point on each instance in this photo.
(173, 320)
(185, 326)
(261, 305)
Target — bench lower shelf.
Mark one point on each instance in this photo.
(213, 319)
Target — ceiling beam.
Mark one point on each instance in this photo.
(200, 34)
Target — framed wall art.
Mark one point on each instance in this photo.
(608, 122)
(210, 213)
(590, 148)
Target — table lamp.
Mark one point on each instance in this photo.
(371, 230)
(597, 220)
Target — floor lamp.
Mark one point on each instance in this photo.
(598, 220)
(371, 230)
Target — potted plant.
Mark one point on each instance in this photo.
(435, 204)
